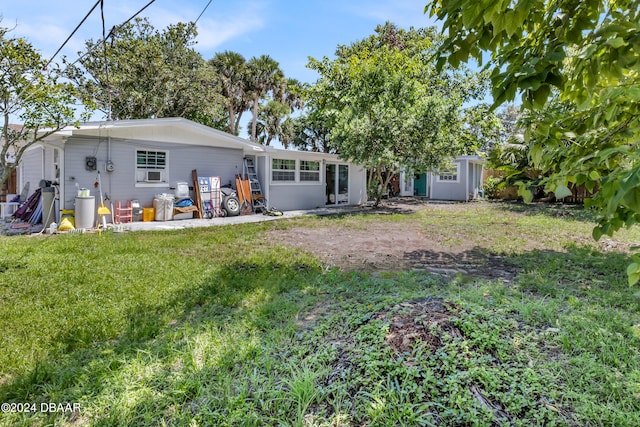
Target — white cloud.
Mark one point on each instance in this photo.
(217, 25)
(213, 33)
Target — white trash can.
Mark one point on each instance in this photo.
(85, 215)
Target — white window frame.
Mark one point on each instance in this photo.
(453, 178)
(310, 172)
(140, 172)
(287, 171)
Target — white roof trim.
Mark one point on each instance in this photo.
(105, 128)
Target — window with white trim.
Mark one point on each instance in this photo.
(309, 171)
(151, 166)
(449, 174)
(283, 170)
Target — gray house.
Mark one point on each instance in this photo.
(139, 159)
(462, 181)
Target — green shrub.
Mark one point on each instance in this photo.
(492, 187)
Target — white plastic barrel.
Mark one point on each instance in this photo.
(85, 212)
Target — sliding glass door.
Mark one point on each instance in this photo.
(337, 184)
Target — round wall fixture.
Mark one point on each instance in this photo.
(110, 166)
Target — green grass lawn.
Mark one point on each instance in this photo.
(218, 326)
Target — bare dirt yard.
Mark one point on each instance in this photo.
(396, 245)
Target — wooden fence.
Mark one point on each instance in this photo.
(578, 194)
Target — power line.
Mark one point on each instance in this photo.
(106, 63)
(202, 13)
(72, 33)
(93, 47)
(104, 39)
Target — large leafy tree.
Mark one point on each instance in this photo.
(386, 104)
(140, 72)
(38, 99)
(311, 132)
(576, 65)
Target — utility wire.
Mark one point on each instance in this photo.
(106, 63)
(72, 33)
(90, 50)
(202, 13)
(104, 39)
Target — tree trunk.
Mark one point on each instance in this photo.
(254, 120)
(237, 126)
(232, 120)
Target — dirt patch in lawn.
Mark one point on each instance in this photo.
(405, 330)
(396, 245)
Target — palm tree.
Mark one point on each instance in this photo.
(274, 123)
(232, 70)
(264, 76)
(291, 93)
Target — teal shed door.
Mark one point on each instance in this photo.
(420, 185)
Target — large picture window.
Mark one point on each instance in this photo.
(309, 171)
(283, 170)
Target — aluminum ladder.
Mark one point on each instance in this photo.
(258, 200)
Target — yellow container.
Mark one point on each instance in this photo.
(68, 214)
(148, 214)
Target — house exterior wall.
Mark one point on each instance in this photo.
(121, 183)
(296, 196)
(303, 195)
(31, 169)
(443, 190)
(38, 163)
(357, 185)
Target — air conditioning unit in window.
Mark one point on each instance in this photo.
(153, 176)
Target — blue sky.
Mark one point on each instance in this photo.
(288, 30)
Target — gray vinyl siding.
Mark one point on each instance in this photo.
(261, 171)
(451, 190)
(30, 169)
(288, 197)
(310, 196)
(357, 185)
(121, 183)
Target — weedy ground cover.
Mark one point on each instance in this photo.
(222, 326)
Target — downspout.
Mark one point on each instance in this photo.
(61, 180)
(44, 163)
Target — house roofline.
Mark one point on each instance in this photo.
(102, 128)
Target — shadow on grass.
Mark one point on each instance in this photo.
(576, 212)
(554, 269)
(241, 301)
